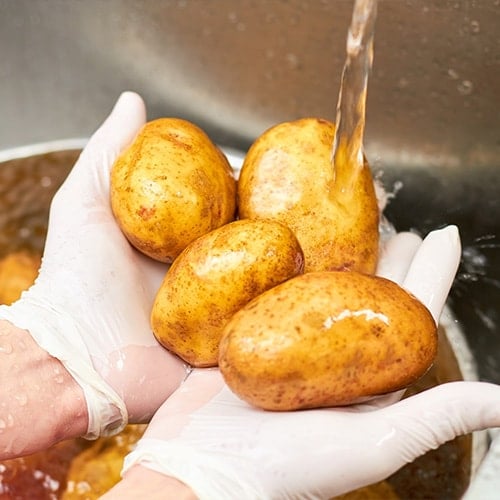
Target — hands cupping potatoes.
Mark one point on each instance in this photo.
(283, 300)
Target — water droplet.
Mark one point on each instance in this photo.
(475, 26)
(453, 74)
(233, 18)
(59, 379)
(465, 87)
(22, 399)
(269, 53)
(51, 484)
(10, 421)
(6, 349)
(45, 181)
(120, 363)
(292, 60)
(37, 474)
(24, 232)
(269, 17)
(3, 424)
(83, 487)
(269, 75)
(403, 82)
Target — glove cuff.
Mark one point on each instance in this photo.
(56, 332)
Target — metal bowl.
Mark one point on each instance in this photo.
(236, 68)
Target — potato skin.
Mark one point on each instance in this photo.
(18, 271)
(214, 277)
(326, 339)
(288, 175)
(171, 186)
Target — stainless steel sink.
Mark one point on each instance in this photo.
(235, 68)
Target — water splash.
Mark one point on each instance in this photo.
(474, 264)
(474, 271)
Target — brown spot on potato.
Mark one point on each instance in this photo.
(146, 212)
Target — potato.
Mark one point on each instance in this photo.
(288, 176)
(214, 277)
(326, 339)
(97, 469)
(171, 186)
(18, 271)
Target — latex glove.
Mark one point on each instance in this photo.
(222, 448)
(91, 302)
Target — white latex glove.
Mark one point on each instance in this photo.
(222, 448)
(91, 303)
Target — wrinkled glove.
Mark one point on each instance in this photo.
(91, 302)
(223, 448)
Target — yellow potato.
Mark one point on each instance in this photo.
(288, 175)
(326, 339)
(18, 271)
(214, 277)
(97, 469)
(171, 186)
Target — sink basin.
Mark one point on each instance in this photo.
(236, 68)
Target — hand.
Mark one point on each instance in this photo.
(90, 305)
(220, 447)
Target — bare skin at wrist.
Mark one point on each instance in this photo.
(40, 402)
(141, 482)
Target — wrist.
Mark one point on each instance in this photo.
(141, 482)
(41, 403)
